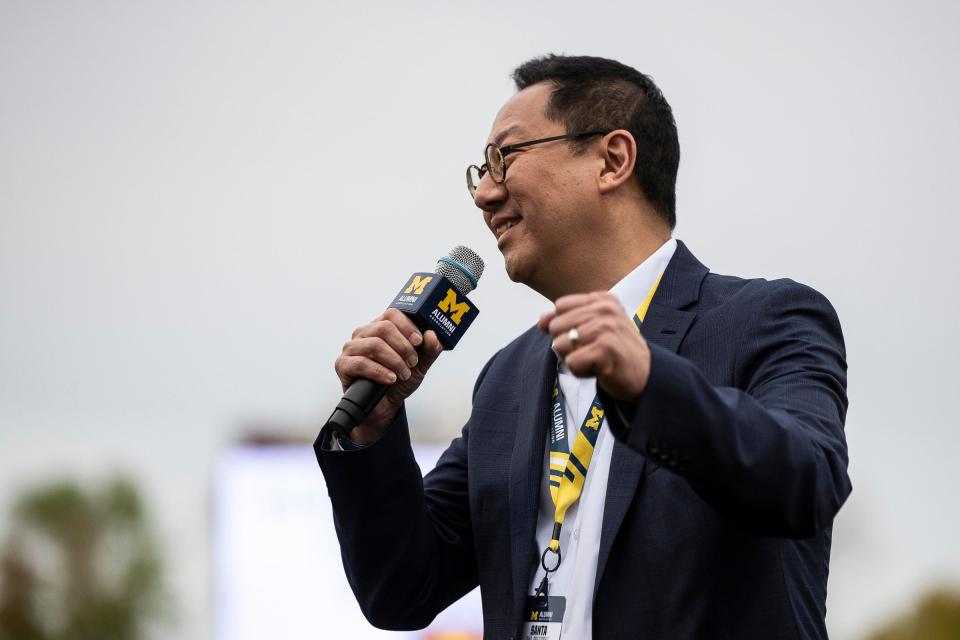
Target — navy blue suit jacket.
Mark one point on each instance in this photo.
(725, 478)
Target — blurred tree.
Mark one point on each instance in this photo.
(80, 566)
(936, 617)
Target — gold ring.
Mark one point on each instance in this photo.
(574, 336)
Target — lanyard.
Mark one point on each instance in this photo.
(568, 471)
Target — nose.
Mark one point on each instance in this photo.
(490, 194)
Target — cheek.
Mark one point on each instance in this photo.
(547, 204)
(556, 220)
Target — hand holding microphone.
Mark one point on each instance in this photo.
(392, 352)
(385, 361)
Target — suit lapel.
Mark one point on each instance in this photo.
(526, 466)
(626, 469)
(666, 325)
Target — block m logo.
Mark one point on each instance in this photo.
(417, 284)
(596, 415)
(452, 308)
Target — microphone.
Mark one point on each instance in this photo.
(433, 300)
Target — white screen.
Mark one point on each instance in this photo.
(277, 569)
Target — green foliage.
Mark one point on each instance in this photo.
(80, 565)
(936, 617)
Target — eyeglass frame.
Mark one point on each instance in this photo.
(484, 169)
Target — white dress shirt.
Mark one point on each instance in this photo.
(580, 535)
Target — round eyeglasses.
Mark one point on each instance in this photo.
(496, 166)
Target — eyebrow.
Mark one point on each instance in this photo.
(509, 131)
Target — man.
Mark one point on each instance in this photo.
(679, 481)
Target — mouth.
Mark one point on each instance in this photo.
(502, 229)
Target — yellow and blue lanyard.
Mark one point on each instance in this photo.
(569, 465)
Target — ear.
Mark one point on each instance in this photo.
(619, 152)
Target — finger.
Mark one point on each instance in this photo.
(398, 340)
(599, 306)
(405, 325)
(563, 344)
(590, 361)
(572, 301)
(350, 368)
(589, 331)
(545, 318)
(377, 349)
(588, 324)
(562, 324)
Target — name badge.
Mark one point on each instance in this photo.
(544, 617)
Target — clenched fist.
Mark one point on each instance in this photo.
(608, 347)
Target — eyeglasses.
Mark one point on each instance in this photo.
(494, 158)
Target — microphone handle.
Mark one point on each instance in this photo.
(356, 404)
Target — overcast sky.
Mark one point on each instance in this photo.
(200, 200)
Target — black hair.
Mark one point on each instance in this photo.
(597, 94)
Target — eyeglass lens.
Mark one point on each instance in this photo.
(495, 162)
(473, 179)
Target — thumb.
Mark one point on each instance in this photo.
(429, 351)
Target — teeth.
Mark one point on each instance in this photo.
(502, 228)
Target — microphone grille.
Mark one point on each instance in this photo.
(462, 267)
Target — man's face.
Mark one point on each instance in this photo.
(541, 210)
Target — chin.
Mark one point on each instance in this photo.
(514, 268)
(521, 270)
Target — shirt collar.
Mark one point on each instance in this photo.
(634, 287)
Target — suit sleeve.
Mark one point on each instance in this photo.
(406, 544)
(770, 456)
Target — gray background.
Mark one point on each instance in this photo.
(199, 201)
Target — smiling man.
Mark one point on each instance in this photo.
(661, 456)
